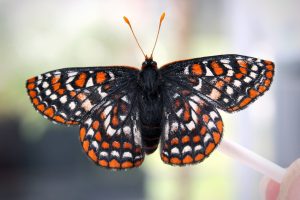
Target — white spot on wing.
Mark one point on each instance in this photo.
(175, 150)
(191, 125)
(186, 149)
(53, 97)
(45, 84)
(229, 90)
(63, 99)
(115, 153)
(247, 79)
(90, 82)
(127, 155)
(72, 105)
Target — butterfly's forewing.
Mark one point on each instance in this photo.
(101, 100)
(192, 128)
(67, 95)
(229, 82)
(111, 136)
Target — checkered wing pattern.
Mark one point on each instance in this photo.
(192, 128)
(111, 136)
(66, 96)
(229, 82)
(102, 101)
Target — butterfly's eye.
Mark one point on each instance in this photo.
(153, 63)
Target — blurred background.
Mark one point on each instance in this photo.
(40, 160)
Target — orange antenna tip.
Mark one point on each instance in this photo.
(162, 17)
(126, 20)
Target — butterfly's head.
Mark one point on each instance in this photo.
(149, 63)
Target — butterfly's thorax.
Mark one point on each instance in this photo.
(150, 105)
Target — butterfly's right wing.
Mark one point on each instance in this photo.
(229, 82)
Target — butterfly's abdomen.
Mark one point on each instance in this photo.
(150, 107)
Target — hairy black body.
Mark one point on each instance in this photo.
(150, 105)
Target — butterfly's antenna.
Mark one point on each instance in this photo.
(128, 22)
(160, 22)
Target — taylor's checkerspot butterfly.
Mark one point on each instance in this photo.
(123, 112)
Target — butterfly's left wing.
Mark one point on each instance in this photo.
(229, 82)
(192, 128)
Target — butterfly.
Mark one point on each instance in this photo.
(125, 112)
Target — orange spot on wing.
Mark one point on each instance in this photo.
(81, 80)
(98, 136)
(56, 86)
(187, 115)
(199, 157)
(100, 77)
(245, 102)
(31, 80)
(197, 69)
(253, 93)
(174, 141)
(243, 70)
(32, 94)
(216, 137)
(114, 164)
(105, 145)
(92, 155)
(220, 126)
(239, 75)
(261, 89)
(268, 62)
(31, 86)
(115, 120)
(127, 164)
(55, 79)
(267, 82)
(164, 158)
(85, 145)
(59, 119)
(116, 144)
(175, 161)
(210, 147)
(216, 67)
(72, 94)
(41, 107)
(187, 159)
(269, 74)
(205, 118)
(103, 163)
(95, 125)
(185, 139)
(49, 112)
(270, 67)
(219, 84)
(61, 91)
(242, 63)
(127, 145)
(196, 138)
(203, 130)
(81, 96)
(82, 133)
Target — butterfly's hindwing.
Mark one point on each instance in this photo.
(66, 95)
(229, 82)
(111, 136)
(192, 128)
